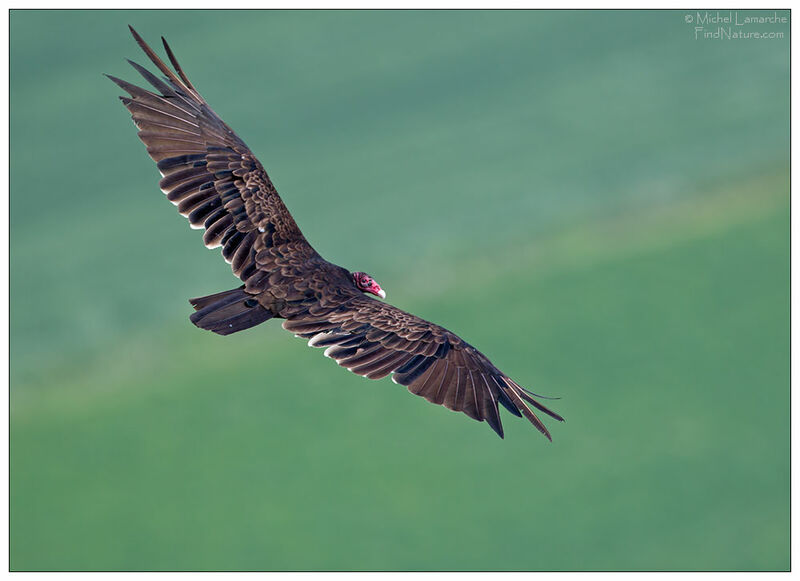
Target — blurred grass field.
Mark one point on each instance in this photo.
(596, 200)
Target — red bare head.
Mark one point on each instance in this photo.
(365, 283)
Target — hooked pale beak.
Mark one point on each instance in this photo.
(376, 290)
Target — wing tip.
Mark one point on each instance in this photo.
(498, 429)
(136, 35)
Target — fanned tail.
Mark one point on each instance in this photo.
(228, 312)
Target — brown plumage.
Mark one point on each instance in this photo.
(219, 185)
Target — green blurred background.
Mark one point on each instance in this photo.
(596, 200)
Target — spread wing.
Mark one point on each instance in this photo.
(208, 172)
(375, 339)
(219, 185)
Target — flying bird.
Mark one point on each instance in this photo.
(220, 186)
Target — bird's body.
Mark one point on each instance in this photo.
(219, 185)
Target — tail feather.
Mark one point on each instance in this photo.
(228, 312)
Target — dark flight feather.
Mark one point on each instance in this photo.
(218, 184)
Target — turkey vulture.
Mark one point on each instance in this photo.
(220, 186)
